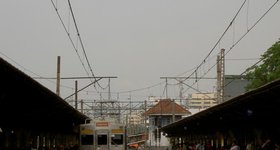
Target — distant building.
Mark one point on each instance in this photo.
(160, 115)
(200, 101)
(234, 86)
(135, 120)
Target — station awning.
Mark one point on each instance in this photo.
(27, 104)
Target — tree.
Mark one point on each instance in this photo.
(268, 71)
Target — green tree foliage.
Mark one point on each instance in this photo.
(268, 71)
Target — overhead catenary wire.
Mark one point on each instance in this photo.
(213, 48)
(80, 39)
(249, 29)
(76, 50)
(71, 40)
(219, 40)
(141, 89)
(81, 42)
(86, 55)
(182, 68)
(253, 26)
(217, 43)
(206, 58)
(68, 34)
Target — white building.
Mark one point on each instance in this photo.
(135, 120)
(200, 101)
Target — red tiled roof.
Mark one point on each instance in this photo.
(165, 106)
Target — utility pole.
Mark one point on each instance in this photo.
(181, 91)
(173, 111)
(109, 89)
(220, 76)
(166, 93)
(130, 105)
(218, 80)
(145, 123)
(223, 74)
(58, 76)
(166, 86)
(82, 106)
(76, 94)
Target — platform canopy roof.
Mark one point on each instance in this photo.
(25, 103)
(258, 108)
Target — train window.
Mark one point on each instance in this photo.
(87, 139)
(102, 139)
(117, 139)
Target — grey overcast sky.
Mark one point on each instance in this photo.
(138, 41)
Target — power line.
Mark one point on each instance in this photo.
(141, 89)
(72, 77)
(215, 45)
(230, 24)
(240, 37)
(204, 60)
(248, 30)
(262, 16)
(82, 45)
(79, 36)
(69, 37)
(80, 40)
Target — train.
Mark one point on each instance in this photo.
(102, 134)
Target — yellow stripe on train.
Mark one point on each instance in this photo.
(86, 131)
(117, 131)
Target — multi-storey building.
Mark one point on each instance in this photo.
(200, 101)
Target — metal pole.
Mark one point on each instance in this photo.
(173, 111)
(166, 95)
(145, 123)
(76, 94)
(58, 76)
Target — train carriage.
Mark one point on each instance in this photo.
(104, 134)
